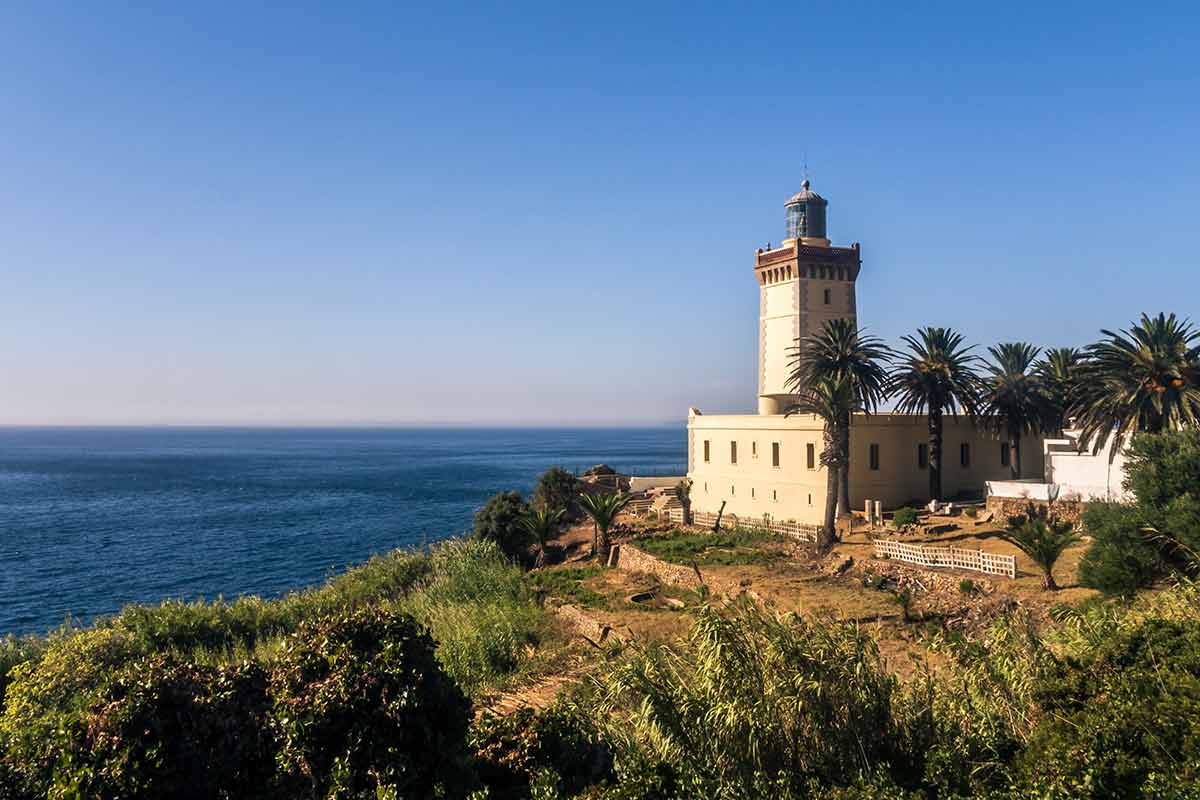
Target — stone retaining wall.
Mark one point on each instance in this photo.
(1003, 508)
(630, 558)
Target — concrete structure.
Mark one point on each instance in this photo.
(1070, 475)
(769, 464)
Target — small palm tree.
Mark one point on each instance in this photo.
(936, 375)
(1043, 538)
(840, 351)
(1144, 379)
(828, 399)
(683, 492)
(1013, 400)
(541, 523)
(1058, 372)
(603, 509)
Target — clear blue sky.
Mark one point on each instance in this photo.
(533, 214)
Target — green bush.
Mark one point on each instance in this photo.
(750, 705)
(558, 745)
(1123, 723)
(1122, 558)
(967, 586)
(362, 708)
(160, 728)
(499, 521)
(558, 489)
(480, 609)
(905, 515)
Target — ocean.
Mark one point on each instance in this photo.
(92, 519)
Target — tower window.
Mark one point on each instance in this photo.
(874, 456)
(1005, 455)
(751, 492)
(733, 452)
(964, 454)
(754, 449)
(732, 490)
(810, 499)
(774, 494)
(774, 454)
(828, 296)
(922, 456)
(810, 455)
(707, 443)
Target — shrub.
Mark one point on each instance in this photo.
(480, 609)
(904, 516)
(1121, 558)
(1123, 723)
(160, 728)
(967, 586)
(46, 701)
(558, 489)
(750, 705)
(499, 521)
(361, 706)
(514, 752)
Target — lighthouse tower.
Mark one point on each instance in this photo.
(802, 284)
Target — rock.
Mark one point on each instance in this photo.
(599, 469)
(674, 603)
(838, 564)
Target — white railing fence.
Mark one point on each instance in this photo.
(796, 530)
(977, 560)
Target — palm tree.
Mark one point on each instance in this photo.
(541, 523)
(1013, 399)
(839, 351)
(936, 375)
(603, 509)
(828, 399)
(1058, 372)
(1043, 538)
(1144, 379)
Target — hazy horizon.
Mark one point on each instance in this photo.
(546, 215)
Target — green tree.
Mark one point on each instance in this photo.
(839, 351)
(1058, 372)
(541, 523)
(558, 488)
(603, 509)
(500, 521)
(935, 376)
(1042, 537)
(827, 399)
(1013, 400)
(1146, 379)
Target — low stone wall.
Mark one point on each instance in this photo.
(591, 629)
(630, 558)
(1003, 508)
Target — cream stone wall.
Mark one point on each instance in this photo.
(755, 486)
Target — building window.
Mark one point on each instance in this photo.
(922, 456)
(751, 492)
(964, 454)
(810, 455)
(774, 454)
(828, 296)
(1005, 455)
(754, 449)
(810, 499)
(774, 495)
(874, 456)
(732, 490)
(706, 487)
(733, 452)
(706, 453)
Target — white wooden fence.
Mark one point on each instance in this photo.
(947, 557)
(804, 533)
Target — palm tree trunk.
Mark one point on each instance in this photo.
(603, 544)
(595, 539)
(844, 469)
(1014, 447)
(832, 466)
(935, 454)
(1048, 581)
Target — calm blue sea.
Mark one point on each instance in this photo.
(92, 519)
